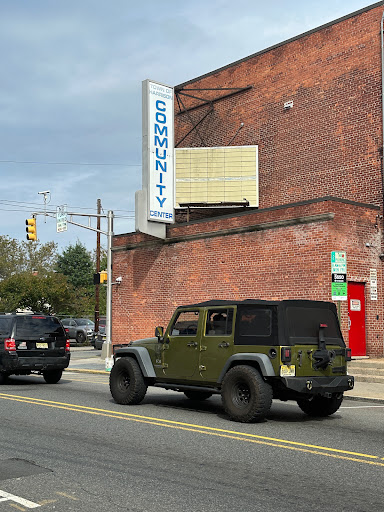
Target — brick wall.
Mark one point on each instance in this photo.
(330, 142)
(281, 253)
(328, 145)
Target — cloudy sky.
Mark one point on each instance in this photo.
(70, 90)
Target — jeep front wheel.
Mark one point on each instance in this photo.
(245, 395)
(126, 382)
(320, 406)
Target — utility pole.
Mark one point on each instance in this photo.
(97, 286)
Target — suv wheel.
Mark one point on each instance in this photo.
(126, 382)
(320, 406)
(197, 395)
(52, 376)
(80, 337)
(245, 395)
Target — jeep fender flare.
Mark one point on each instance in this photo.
(262, 360)
(142, 357)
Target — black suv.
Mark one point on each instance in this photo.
(33, 343)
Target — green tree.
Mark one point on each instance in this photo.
(50, 293)
(17, 256)
(76, 264)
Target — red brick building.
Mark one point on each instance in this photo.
(320, 187)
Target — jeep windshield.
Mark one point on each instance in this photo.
(303, 324)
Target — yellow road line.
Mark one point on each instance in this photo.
(242, 436)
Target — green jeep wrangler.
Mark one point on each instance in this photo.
(248, 351)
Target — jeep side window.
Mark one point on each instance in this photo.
(219, 322)
(185, 324)
(256, 325)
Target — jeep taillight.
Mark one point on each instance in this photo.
(348, 354)
(10, 345)
(286, 354)
(67, 346)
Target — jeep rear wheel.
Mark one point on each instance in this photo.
(197, 395)
(126, 382)
(245, 395)
(321, 406)
(52, 376)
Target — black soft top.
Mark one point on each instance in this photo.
(283, 303)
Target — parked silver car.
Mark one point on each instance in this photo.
(80, 329)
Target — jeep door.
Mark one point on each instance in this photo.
(216, 342)
(181, 347)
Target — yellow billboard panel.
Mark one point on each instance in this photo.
(212, 175)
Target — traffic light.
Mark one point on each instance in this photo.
(100, 278)
(31, 229)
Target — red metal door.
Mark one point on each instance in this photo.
(356, 318)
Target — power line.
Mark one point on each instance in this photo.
(67, 163)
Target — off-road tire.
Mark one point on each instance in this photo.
(126, 382)
(80, 337)
(245, 395)
(197, 395)
(52, 376)
(320, 406)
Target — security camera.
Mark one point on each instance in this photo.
(118, 280)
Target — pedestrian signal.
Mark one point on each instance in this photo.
(31, 229)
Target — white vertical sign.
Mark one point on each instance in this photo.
(158, 144)
(61, 218)
(373, 283)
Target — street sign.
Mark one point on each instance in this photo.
(339, 275)
(61, 218)
(373, 283)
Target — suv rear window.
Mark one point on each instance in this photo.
(38, 326)
(5, 325)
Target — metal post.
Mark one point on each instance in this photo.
(107, 345)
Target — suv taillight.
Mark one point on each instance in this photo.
(286, 354)
(10, 345)
(348, 354)
(67, 346)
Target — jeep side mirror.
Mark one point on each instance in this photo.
(159, 333)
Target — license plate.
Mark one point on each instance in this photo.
(287, 370)
(41, 345)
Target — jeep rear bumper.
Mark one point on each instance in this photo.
(318, 385)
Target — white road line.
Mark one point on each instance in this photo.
(361, 406)
(6, 496)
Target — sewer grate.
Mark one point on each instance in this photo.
(16, 468)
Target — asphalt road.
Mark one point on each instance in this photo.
(69, 447)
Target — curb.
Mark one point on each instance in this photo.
(364, 399)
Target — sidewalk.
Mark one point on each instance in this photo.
(362, 390)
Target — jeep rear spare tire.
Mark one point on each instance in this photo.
(321, 406)
(245, 395)
(126, 382)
